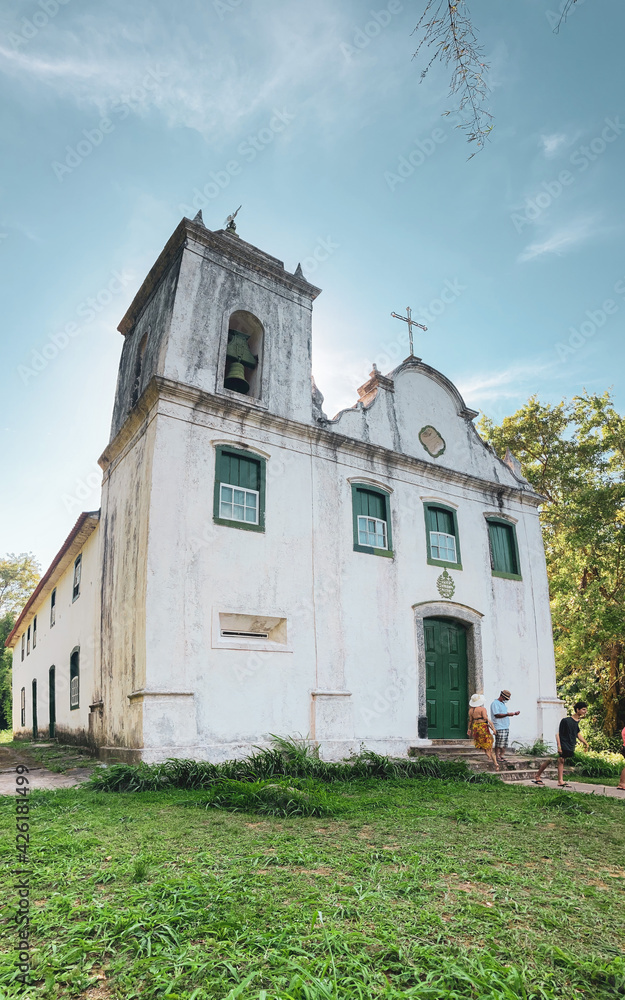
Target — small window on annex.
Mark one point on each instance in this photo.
(35, 632)
(23, 707)
(372, 520)
(77, 575)
(443, 542)
(244, 354)
(239, 500)
(504, 551)
(28, 642)
(74, 679)
(53, 608)
(23, 644)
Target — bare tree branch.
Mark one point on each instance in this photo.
(564, 13)
(448, 27)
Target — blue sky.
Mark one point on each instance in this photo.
(120, 117)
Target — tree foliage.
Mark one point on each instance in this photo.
(19, 576)
(573, 453)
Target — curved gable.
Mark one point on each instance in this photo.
(418, 411)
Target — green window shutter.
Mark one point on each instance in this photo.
(443, 520)
(430, 519)
(239, 471)
(503, 548)
(371, 503)
(237, 468)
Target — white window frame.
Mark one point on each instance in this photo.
(23, 644)
(435, 546)
(28, 641)
(23, 707)
(74, 692)
(35, 632)
(366, 530)
(241, 489)
(53, 608)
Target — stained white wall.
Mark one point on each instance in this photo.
(350, 617)
(75, 625)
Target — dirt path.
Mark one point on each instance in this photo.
(40, 778)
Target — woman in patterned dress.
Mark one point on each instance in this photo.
(480, 728)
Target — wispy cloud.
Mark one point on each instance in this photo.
(100, 57)
(552, 143)
(507, 383)
(564, 239)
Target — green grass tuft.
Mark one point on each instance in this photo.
(287, 759)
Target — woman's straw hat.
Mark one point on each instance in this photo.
(477, 700)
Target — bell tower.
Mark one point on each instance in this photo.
(222, 316)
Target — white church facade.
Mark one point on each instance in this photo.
(257, 568)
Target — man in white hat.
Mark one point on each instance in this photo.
(501, 721)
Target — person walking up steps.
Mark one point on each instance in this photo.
(566, 737)
(500, 717)
(480, 728)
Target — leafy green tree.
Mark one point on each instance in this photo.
(19, 576)
(573, 453)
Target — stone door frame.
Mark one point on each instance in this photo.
(475, 665)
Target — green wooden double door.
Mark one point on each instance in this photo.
(446, 683)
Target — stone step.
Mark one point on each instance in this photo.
(525, 774)
(452, 743)
(470, 757)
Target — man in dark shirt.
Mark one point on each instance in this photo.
(566, 737)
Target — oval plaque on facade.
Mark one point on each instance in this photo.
(431, 441)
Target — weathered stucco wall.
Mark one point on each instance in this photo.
(125, 518)
(350, 671)
(145, 344)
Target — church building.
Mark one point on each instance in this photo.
(257, 568)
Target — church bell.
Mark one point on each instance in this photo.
(239, 357)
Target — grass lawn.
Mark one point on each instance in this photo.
(412, 888)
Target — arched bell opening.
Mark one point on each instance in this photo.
(244, 354)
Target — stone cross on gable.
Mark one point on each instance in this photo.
(411, 322)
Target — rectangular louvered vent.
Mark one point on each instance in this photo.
(245, 635)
